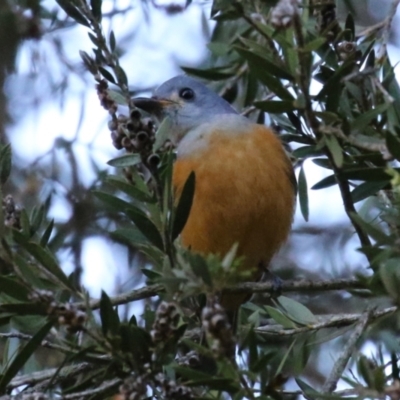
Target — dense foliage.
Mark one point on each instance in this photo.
(329, 89)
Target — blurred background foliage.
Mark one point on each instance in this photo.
(322, 77)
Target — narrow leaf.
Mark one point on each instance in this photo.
(303, 194)
(106, 74)
(96, 8)
(23, 355)
(5, 163)
(109, 317)
(299, 313)
(275, 107)
(73, 12)
(163, 133)
(127, 160)
(48, 261)
(146, 226)
(184, 206)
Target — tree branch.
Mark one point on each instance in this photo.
(247, 287)
(324, 321)
(37, 377)
(340, 364)
(95, 391)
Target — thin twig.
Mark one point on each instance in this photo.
(95, 391)
(356, 140)
(340, 364)
(37, 377)
(296, 285)
(246, 287)
(124, 298)
(324, 321)
(44, 343)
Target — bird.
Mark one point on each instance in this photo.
(245, 188)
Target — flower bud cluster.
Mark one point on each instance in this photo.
(133, 133)
(133, 388)
(346, 50)
(11, 212)
(165, 323)
(190, 359)
(67, 314)
(104, 96)
(282, 14)
(327, 23)
(173, 391)
(218, 329)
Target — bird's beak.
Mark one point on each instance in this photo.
(152, 105)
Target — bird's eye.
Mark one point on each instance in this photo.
(186, 94)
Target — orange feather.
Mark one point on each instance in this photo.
(244, 194)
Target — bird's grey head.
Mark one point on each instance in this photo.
(187, 102)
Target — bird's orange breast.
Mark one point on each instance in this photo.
(244, 194)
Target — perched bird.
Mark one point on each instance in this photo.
(245, 187)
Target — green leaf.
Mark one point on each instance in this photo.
(130, 189)
(163, 133)
(25, 225)
(214, 74)
(303, 194)
(307, 389)
(132, 236)
(127, 160)
(393, 145)
(275, 107)
(5, 163)
(109, 317)
(367, 189)
(362, 121)
(324, 183)
(117, 97)
(335, 149)
(307, 151)
(112, 41)
(299, 313)
(259, 62)
(184, 206)
(314, 44)
(37, 217)
(28, 272)
(284, 358)
(23, 355)
(367, 174)
(146, 226)
(389, 273)
(280, 318)
(335, 81)
(85, 57)
(199, 267)
(96, 9)
(218, 48)
(48, 261)
(22, 309)
(377, 234)
(73, 12)
(107, 75)
(13, 288)
(121, 75)
(350, 26)
(115, 203)
(47, 233)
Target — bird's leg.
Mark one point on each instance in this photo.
(276, 282)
